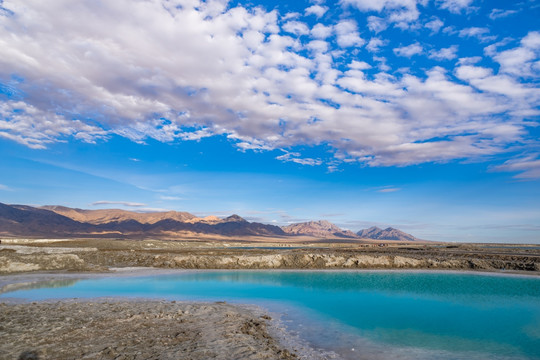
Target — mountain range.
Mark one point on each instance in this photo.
(61, 221)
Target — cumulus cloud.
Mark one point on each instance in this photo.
(409, 50)
(30, 126)
(524, 60)
(469, 60)
(376, 24)
(399, 12)
(320, 31)
(347, 34)
(455, 6)
(317, 10)
(434, 25)
(481, 33)
(448, 53)
(375, 44)
(296, 27)
(201, 68)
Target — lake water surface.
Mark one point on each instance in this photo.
(359, 314)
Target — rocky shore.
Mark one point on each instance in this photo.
(114, 329)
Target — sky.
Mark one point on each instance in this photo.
(418, 114)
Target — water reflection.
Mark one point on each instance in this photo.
(40, 284)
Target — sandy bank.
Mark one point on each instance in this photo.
(116, 329)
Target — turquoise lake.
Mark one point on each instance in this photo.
(359, 315)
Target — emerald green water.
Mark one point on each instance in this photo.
(361, 315)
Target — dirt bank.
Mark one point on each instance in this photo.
(102, 254)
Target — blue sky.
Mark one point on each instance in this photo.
(420, 114)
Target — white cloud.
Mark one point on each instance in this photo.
(477, 32)
(5, 188)
(30, 126)
(400, 12)
(500, 84)
(434, 25)
(409, 50)
(375, 44)
(469, 60)
(528, 167)
(296, 27)
(388, 190)
(532, 40)
(320, 31)
(523, 60)
(203, 69)
(318, 46)
(444, 54)
(171, 198)
(317, 10)
(492, 49)
(499, 13)
(296, 158)
(347, 34)
(376, 24)
(123, 203)
(455, 6)
(290, 16)
(359, 65)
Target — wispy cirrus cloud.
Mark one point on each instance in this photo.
(5, 188)
(388, 190)
(123, 203)
(171, 198)
(500, 13)
(527, 168)
(297, 158)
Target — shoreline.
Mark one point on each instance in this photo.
(272, 338)
(118, 328)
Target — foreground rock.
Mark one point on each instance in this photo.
(135, 330)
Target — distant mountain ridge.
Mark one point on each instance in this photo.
(321, 228)
(109, 215)
(61, 221)
(387, 234)
(54, 221)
